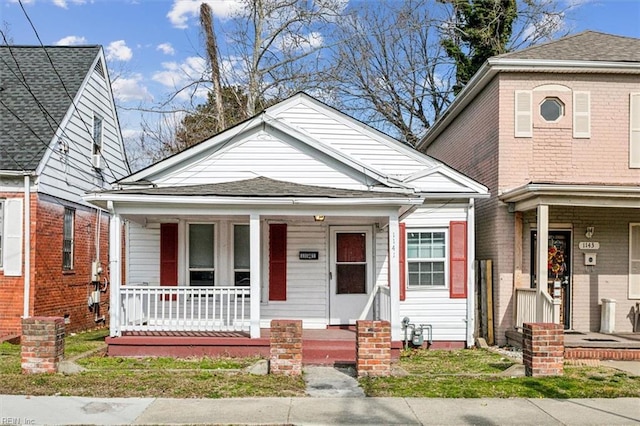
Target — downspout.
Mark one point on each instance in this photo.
(471, 273)
(27, 245)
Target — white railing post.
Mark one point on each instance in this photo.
(115, 254)
(254, 254)
(394, 277)
(542, 253)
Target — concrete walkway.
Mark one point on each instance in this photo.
(47, 410)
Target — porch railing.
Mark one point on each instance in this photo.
(526, 306)
(380, 301)
(155, 308)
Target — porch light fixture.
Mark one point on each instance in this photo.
(318, 218)
(589, 232)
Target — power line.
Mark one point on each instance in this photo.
(87, 128)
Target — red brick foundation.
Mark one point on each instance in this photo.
(543, 349)
(286, 347)
(42, 344)
(373, 348)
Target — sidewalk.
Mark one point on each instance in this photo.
(41, 410)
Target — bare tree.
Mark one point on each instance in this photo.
(391, 70)
(276, 47)
(206, 22)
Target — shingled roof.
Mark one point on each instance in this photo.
(33, 101)
(261, 187)
(584, 46)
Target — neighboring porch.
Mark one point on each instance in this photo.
(590, 257)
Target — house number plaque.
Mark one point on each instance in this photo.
(308, 255)
(589, 245)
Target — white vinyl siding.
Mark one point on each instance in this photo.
(307, 280)
(523, 114)
(634, 130)
(12, 238)
(434, 306)
(71, 175)
(581, 115)
(143, 259)
(634, 261)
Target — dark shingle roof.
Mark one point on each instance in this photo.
(584, 46)
(31, 107)
(261, 187)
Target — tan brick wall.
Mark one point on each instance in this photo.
(553, 155)
(481, 144)
(471, 145)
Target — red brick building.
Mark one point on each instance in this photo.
(58, 141)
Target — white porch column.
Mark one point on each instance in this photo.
(542, 253)
(471, 283)
(115, 271)
(394, 278)
(254, 254)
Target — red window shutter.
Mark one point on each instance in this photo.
(402, 256)
(168, 255)
(458, 259)
(278, 261)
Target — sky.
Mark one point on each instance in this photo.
(153, 46)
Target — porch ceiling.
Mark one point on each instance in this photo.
(529, 196)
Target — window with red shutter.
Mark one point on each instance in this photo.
(278, 261)
(458, 259)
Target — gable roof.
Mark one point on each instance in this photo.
(585, 52)
(260, 187)
(33, 101)
(317, 132)
(584, 46)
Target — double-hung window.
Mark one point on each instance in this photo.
(201, 254)
(241, 255)
(97, 135)
(67, 238)
(426, 258)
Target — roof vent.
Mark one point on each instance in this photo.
(99, 68)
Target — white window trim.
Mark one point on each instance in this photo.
(563, 109)
(73, 238)
(95, 143)
(635, 292)
(216, 252)
(233, 251)
(447, 244)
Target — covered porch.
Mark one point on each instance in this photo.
(248, 276)
(592, 255)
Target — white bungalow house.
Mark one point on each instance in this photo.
(298, 213)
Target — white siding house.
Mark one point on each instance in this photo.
(300, 212)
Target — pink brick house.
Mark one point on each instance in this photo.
(554, 132)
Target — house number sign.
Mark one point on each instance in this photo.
(308, 255)
(588, 245)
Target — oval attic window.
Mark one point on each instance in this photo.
(551, 109)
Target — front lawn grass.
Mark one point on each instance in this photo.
(142, 377)
(471, 373)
